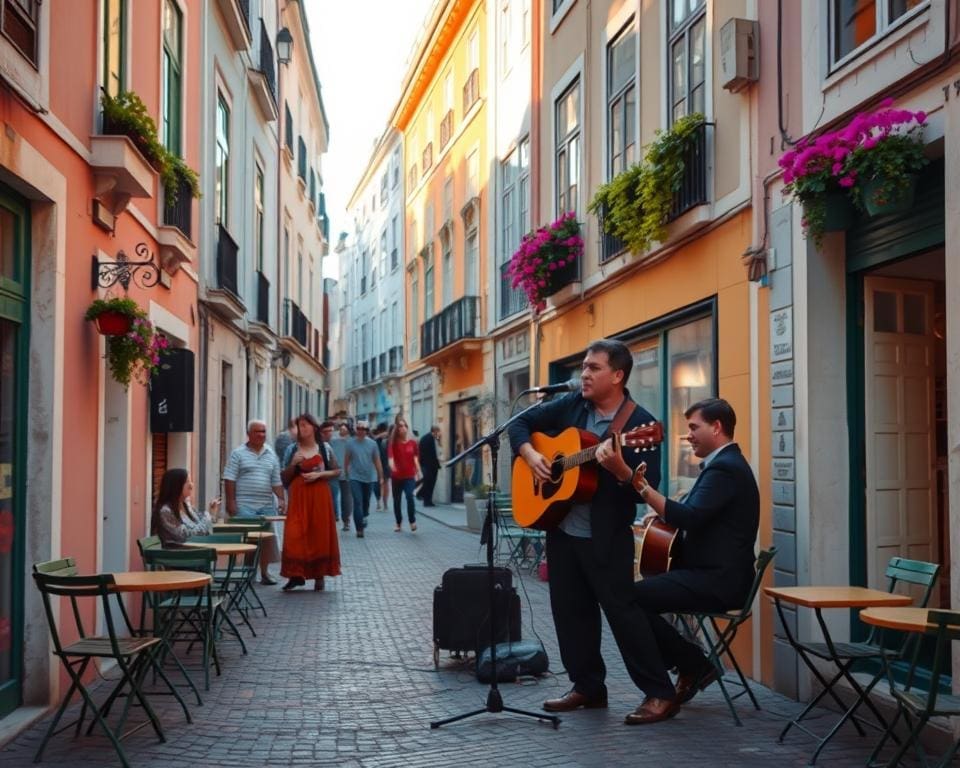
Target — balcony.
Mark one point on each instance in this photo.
(175, 231)
(610, 245)
(236, 19)
(454, 324)
(382, 364)
(264, 79)
(365, 372)
(446, 128)
(693, 185)
(288, 129)
(294, 323)
(120, 173)
(225, 295)
(259, 326)
(471, 90)
(512, 300)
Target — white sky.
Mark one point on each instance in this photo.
(360, 48)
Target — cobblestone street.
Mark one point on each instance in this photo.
(345, 677)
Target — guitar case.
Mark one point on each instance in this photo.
(461, 610)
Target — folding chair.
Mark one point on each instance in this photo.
(719, 641)
(924, 704)
(148, 542)
(198, 617)
(899, 571)
(58, 578)
(235, 580)
(250, 566)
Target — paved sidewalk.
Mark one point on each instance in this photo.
(345, 677)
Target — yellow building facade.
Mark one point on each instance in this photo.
(442, 115)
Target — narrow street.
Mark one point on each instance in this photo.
(345, 677)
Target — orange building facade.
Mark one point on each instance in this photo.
(442, 114)
(77, 457)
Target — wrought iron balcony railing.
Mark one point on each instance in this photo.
(227, 251)
(693, 186)
(180, 214)
(456, 322)
(395, 357)
(610, 245)
(294, 322)
(512, 300)
(267, 65)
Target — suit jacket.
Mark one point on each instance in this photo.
(720, 517)
(428, 452)
(614, 506)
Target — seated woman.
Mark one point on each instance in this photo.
(174, 519)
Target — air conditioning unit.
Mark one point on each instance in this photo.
(739, 54)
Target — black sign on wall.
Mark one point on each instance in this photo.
(171, 393)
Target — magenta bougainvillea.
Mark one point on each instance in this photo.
(885, 147)
(542, 253)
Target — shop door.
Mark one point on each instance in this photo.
(14, 292)
(899, 419)
(464, 431)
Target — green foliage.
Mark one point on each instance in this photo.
(635, 205)
(136, 354)
(124, 306)
(126, 115)
(892, 162)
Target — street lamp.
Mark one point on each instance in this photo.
(284, 45)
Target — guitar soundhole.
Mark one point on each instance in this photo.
(549, 488)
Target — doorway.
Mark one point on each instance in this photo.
(464, 431)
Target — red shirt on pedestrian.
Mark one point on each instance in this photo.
(403, 454)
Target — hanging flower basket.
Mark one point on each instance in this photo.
(547, 260)
(882, 199)
(838, 215)
(113, 323)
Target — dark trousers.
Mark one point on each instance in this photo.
(405, 488)
(361, 502)
(429, 482)
(672, 592)
(581, 584)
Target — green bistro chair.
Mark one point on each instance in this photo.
(148, 542)
(914, 702)
(251, 566)
(234, 581)
(719, 641)
(197, 617)
(56, 579)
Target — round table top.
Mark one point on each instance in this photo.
(907, 619)
(224, 547)
(837, 597)
(275, 518)
(158, 581)
(260, 535)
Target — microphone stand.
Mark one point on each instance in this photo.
(494, 699)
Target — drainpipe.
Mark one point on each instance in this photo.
(202, 383)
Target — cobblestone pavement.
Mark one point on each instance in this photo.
(345, 677)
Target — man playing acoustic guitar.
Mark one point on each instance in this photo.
(719, 518)
(591, 552)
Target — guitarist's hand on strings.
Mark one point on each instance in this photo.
(537, 461)
(609, 457)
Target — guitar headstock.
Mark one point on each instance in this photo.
(643, 437)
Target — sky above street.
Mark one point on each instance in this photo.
(361, 48)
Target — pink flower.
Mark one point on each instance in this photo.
(887, 102)
(846, 182)
(920, 117)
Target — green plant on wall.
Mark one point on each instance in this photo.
(635, 204)
(126, 115)
(135, 354)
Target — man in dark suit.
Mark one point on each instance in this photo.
(429, 463)
(591, 552)
(719, 518)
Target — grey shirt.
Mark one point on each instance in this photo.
(361, 454)
(577, 521)
(339, 445)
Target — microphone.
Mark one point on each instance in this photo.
(567, 386)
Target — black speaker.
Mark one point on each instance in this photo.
(171, 392)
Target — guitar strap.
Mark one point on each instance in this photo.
(622, 417)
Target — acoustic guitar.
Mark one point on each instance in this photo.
(659, 541)
(574, 475)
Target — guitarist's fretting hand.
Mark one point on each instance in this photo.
(609, 457)
(537, 461)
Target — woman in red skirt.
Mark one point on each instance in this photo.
(311, 549)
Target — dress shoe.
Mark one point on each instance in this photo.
(689, 685)
(653, 710)
(575, 700)
(413, 526)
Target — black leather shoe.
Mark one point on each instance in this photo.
(575, 700)
(689, 685)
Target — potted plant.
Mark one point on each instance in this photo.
(547, 259)
(870, 163)
(126, 115)
(634, 206)
(133, 353)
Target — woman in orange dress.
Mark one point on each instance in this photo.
(311, 549)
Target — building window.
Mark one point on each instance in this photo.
(471, 259)
(446, 254)
(524, 23)
(383, 253)
(114, 39)
(506, 43)
(259, 218)
(853, 23)
(19, 22)
(414, 311)
(471, 88)
(567, 162)
(687, 48)
(515, 176)
(394, 238)
(622, 101)
(428, 283)
(222, 161)
(473, 176)
(300, 273)
(172, 76)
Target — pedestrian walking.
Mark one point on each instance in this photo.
(343, 494)
(362, 466)
(383, 437)
(311, 549)
(403, 456)
(285, 439)
(429, 463)
(251, 482)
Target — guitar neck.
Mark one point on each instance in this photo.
(580, 458)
